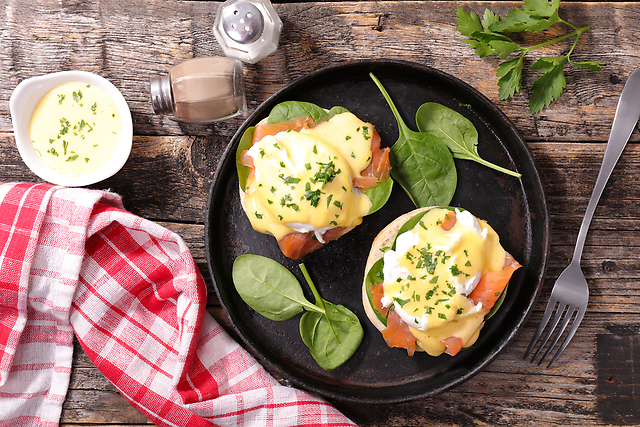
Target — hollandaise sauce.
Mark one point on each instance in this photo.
(75, 128)
(303, 180)
(431, 272)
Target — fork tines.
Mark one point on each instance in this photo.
(569, 312)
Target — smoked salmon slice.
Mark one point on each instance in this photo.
(453, 345)
(377, 292)
(449, 221)
(398, 333)
(297, 124)
(492, 284)
(297, 245)
(378, 169)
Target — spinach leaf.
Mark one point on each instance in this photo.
(455, 130)
(245, 143)
(379, 194)
(334, 111)
(288, 110)
(332, 336)
(497, 305)
(330, 331)
(375, 276)
(269, 288)
(420, 162)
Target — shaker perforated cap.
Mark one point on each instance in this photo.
(247, 30)
(243, 22)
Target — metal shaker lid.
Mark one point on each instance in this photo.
(242, 22)
(247, 30)
(161, 95)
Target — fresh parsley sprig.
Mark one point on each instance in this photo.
(489, 36)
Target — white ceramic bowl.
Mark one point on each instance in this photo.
(23, 102)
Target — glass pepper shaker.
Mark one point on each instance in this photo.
(200, 90)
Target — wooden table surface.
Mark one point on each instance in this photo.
(167, 178)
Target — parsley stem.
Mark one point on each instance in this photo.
(575, 43)
(576, 33)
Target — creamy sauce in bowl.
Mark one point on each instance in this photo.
(75, 129)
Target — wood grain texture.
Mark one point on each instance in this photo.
(168, 175)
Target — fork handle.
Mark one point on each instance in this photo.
(624, 122)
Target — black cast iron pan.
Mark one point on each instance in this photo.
(515, 208)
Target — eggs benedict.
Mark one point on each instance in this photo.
(308, 181)
(433, 277)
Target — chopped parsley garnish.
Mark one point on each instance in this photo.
(365, 132)
(427, 260)
(402, 302)
(329, 200)
(64, 123)
(313, 197)
(326, 173)
(289, 179)
(455, 271)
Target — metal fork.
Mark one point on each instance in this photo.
(570, 293)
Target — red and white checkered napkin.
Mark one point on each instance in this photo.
(73, 261)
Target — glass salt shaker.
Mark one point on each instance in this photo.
(200, 90)
(247, 30)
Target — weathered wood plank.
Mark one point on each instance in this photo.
(181, 169)
(130, 41)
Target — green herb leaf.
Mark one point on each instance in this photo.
(455, 130)
(488, 37)
(498, 43)
(550, 85)
(468, 23)
(510, 73)
(269, 288)
(420, 163)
